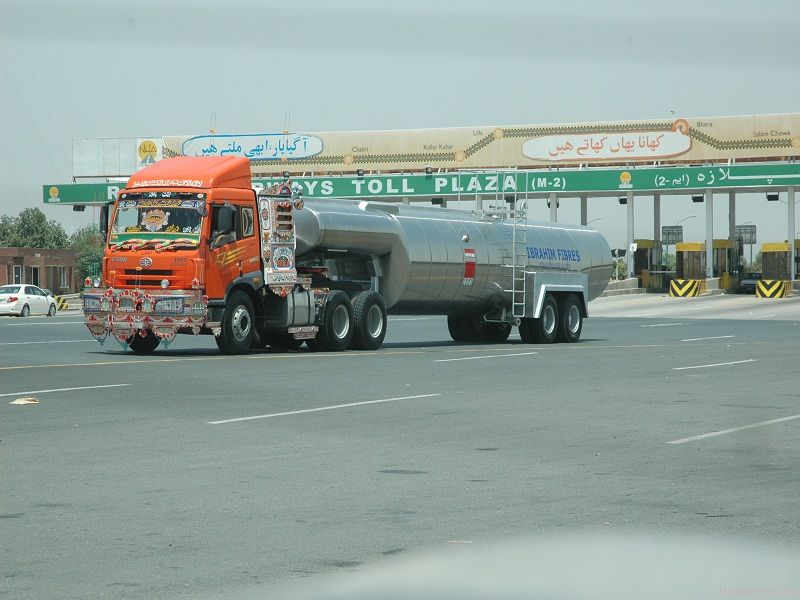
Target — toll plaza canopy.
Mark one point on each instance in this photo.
(705, 155)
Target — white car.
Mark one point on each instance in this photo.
(25, 299)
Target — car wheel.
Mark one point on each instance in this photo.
(26, 311)
(52, 311)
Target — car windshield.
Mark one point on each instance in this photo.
(161, 221)
(9, 289)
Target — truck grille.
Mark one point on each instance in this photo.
(150, 278)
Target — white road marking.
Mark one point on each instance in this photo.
(489, 356)
(733, 430)
(736, 362)
(764, 316)
(664, 325)
(88, 387)
(645, 315)
(48, 342)
(410, 319)
(716, 337)
(321, 408)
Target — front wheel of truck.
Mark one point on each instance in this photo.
(236, 332)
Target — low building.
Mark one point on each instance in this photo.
(49, 268)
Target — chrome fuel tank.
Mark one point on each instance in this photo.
(443, 261)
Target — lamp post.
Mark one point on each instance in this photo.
(676, 246)
(594, 220)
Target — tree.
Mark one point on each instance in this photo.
(668, 261)
(620, 269)
(87, 242)
(31, 229)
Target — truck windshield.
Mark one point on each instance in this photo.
(162, 223)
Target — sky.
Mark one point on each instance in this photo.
(105, 68)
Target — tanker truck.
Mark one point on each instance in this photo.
(193, 248)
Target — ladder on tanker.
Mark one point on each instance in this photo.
(516, 213)
(519, 251)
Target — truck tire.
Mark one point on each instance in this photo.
(336, 329)
(496, 333)
(544, 329)
(237, 325)
(526, 330)
(144, 345)
(570, 321)
(369, 321)
(455, 325)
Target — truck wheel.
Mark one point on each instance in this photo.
(336, 329)
(237, 325)
(369, 321)
(455, 325)
(544, 329)
(496, 333)
(144, 345)
(526, 330)
(570, 321)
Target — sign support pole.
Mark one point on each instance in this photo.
(629, 254)
(657, 230)
(709, 234)
(791, 235)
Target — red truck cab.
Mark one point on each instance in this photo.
(183, 235)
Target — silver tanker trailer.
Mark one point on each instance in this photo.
(487, 274)
(193, 249)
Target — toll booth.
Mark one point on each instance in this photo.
(796, 257)
(775, 279)
(726, 256)
(647, 264)
(690, 270)
(690, 260)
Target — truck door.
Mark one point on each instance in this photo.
(233, 254)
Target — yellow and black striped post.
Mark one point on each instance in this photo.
(773, 288)
(61, 303)
(685, 288)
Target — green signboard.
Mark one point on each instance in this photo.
(81, 193)
(466, 184)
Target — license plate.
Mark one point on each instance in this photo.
(172, 305)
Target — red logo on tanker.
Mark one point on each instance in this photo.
(469, 266)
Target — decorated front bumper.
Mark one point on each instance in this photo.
(125, 313)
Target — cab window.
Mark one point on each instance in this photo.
(244, 220)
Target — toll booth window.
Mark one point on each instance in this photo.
(245, 222)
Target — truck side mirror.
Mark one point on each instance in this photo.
(104, 213)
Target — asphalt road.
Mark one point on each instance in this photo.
(198, 474)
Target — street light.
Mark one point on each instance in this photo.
(594, 220)
(663, 260)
